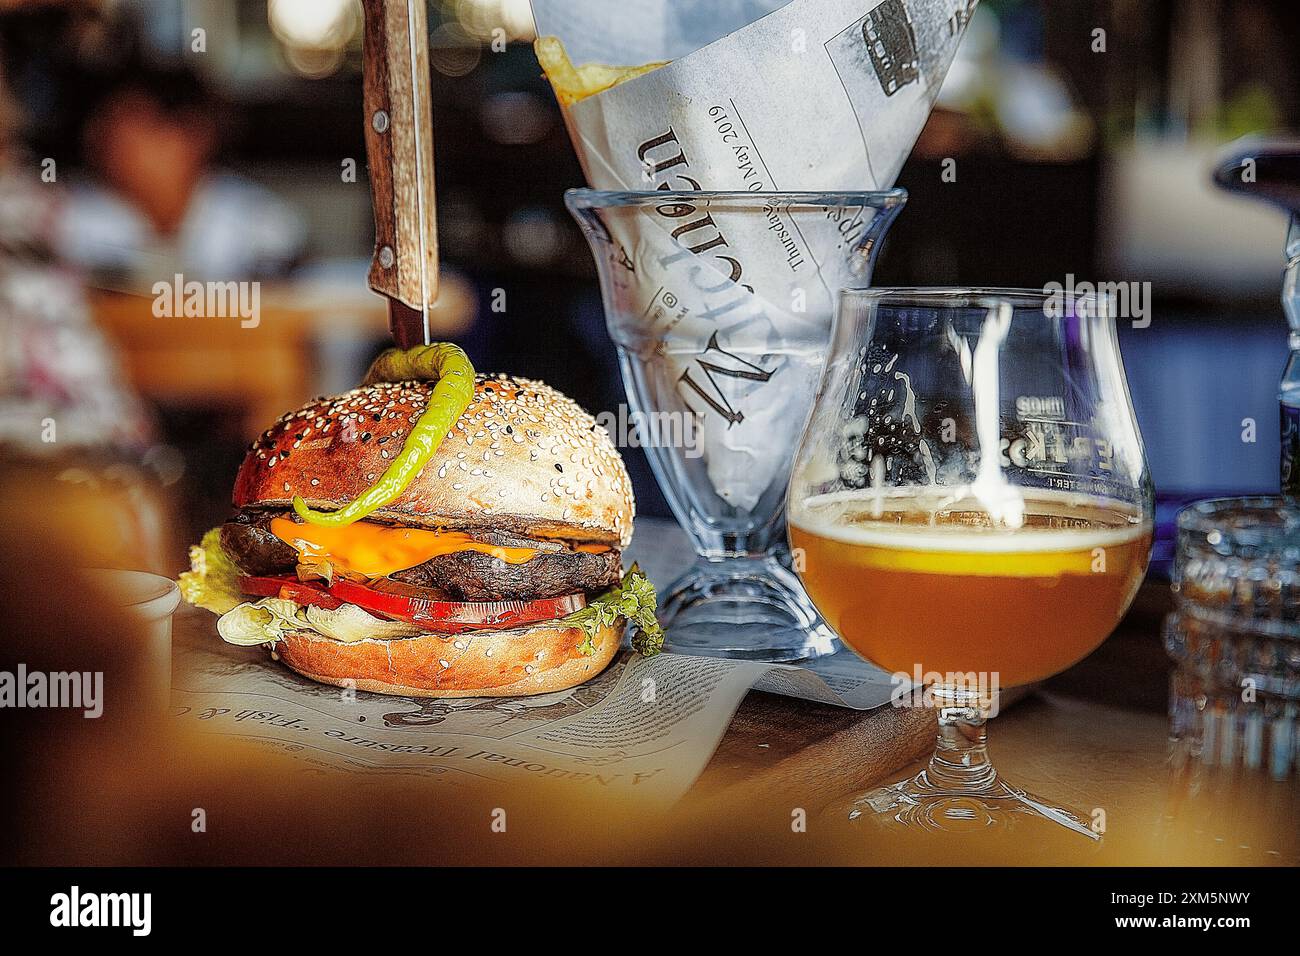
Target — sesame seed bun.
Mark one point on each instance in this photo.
(494, 663)
(522, 458)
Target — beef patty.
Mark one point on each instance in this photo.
(464, 575)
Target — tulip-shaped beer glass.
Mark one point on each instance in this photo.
(721, 305)
(972, 510)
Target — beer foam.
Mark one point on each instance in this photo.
(827, 516)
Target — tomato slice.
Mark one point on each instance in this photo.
(291, 589)
(420, 606)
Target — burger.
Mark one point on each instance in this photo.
(496, 570)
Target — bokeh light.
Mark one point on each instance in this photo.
(514, 18)
(453, 50)
(314, 33)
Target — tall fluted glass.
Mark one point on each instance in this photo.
(720, 305)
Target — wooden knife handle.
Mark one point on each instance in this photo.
(399, 150)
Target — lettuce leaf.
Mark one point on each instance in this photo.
(632, 599)
(263, 622)
(213, 580)
(349, 623)
(267, 620)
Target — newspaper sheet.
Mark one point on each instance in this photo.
(645, 728)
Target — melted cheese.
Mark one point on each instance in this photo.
(375, 550)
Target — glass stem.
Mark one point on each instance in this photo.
(961, 758)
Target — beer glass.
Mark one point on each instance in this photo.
(721, 306)
(971, 510)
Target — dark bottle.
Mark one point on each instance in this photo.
(1270, 170)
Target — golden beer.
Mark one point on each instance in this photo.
(910, 580)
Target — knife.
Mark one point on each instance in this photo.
(399, 156)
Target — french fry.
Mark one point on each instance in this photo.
(574, 83)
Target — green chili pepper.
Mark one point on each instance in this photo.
(450, 368)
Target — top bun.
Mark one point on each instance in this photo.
(522, 458)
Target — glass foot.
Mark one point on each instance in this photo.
(923, 803)
(743, 608)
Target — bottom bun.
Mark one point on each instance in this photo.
(511, 663)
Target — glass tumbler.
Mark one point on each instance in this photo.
(1234, 636)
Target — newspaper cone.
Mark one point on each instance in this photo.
(820, 94)
(815, 95)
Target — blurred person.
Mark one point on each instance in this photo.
(60, 385)
(74, 438)
(161, 205)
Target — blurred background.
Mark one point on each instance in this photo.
(223, 138)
